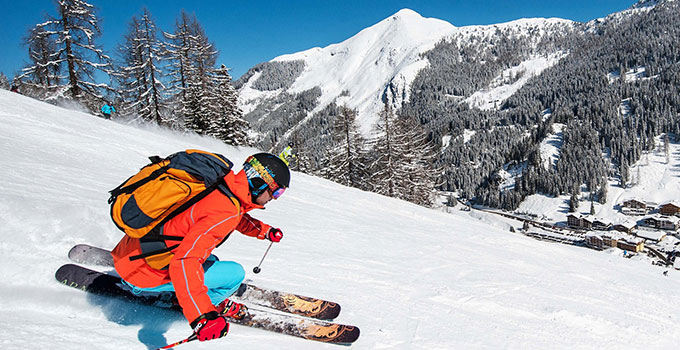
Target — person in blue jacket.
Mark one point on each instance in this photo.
(107, 110)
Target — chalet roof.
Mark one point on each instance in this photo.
(608, 234)
(635, 200)
(627, 224)
(651, 234)
(643, 201)
(673, 203)
(593, 219)
(659, 217)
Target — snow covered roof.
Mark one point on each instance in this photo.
(627, 224)
(659, 217)
(641, 200)
(608, 234)
(651, 234)
(674, 203)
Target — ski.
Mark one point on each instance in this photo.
(282, 301)
(95, 282)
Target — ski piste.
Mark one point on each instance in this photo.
(99, 283)
(282, 301)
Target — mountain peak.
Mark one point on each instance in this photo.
(405, 13)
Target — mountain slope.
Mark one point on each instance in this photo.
(364, 64)
(410, 277)
(506, 84)
(378, 64)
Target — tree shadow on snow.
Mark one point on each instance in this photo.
(154, 321)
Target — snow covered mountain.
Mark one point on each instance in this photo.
(410, 277)
(377, 64)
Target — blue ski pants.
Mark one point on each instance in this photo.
(223, 278)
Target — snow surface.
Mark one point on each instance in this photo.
(410, 277)
(551, 145)
(502, 87)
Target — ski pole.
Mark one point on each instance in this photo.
(256, 269)
(170, 346)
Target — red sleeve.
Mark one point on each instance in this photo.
(250, 226)
(186, 270)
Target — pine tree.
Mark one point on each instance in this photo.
(417, 159)
(43, 74)
(623, 172)
(4, 82)
(384, 170)
(227, 123)
(346, 163)
(404, 160)
(73, 33)
(140, 76)
(303, 161)
(192, 60)
(602, 190)
(573, 203)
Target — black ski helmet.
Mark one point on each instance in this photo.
(271, 166)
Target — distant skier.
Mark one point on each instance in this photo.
(185, 264)
(14, 88)
(107, 110)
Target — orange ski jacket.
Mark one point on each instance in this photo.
(203, 226)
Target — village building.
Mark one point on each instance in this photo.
(573, 221)
(599, 224)
(634, 207)
(596, 242)
(662, 222)
(625, 227)
(587, 222)
(651, 235)
(604, 240)
(631, 246)
(670, 209)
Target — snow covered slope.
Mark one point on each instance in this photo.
(388, 55)
(364, 64)
(410, 277)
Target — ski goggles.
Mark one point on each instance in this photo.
(257, 169)
(275, 193)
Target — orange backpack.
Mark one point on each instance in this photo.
(165, 188)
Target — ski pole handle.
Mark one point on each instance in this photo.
(257, 269)
(170, 346)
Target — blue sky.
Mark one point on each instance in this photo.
(250, 32)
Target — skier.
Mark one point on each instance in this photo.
(200, 281)
(107, 110)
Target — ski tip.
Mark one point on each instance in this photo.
(347, 336)
(90, 255)
(76, 251)
(63, 271)
(329, 312)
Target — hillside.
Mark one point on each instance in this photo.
(489, 96)
(410, 277)
(291, 93)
